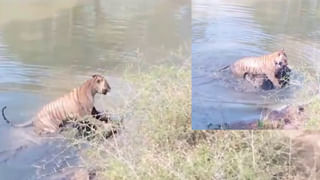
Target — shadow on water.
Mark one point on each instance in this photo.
(48, 48)
(224, 31)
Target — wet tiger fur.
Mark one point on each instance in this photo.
(274, 66)
(78, 103)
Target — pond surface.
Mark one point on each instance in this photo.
(48, 48)
(224, 31)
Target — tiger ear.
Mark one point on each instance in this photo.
(94, 76)
(281, 52)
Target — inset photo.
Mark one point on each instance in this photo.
(255, 64)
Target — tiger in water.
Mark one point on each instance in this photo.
(76, 104)
(268, 71)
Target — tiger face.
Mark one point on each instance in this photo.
(281, 60)
(101, 85)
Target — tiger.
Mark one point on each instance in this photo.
(76, 104)
(274, 66)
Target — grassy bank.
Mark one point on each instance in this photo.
(157, 141)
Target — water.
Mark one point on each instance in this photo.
(224, 31)
(49, 47)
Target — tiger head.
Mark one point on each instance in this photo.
(101, 85)
(282, 70)
(281, 60)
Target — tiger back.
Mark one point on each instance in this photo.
(66, 107)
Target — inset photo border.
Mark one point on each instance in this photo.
(255, 64)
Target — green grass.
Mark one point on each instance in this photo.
(313, 122)
(308, 95)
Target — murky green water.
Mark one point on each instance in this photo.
(224, 31)
(49, 47)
